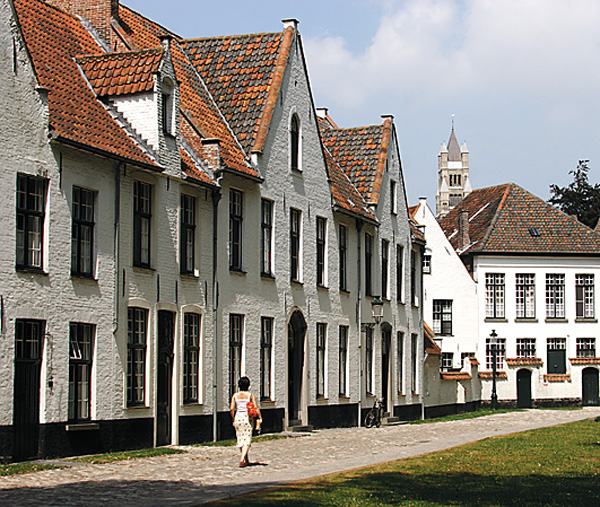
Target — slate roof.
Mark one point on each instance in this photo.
(122, 73)
(361, 152)
(506, 219)
(454, 154)
(241, 73)
(54, 39)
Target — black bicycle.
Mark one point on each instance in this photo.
(375, 415)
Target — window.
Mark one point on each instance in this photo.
(442, 316)
(584, 290)
(555, 296)
(81, 345)
(586, 347)
(369, 360)
(399, 271)
(167, 106)
(455, 199)
(525, 347)
(191, 357)
(343, 255)
(494, 295)
(235, 229)
(266, 348)
(142, 220)
(29, 339)
(455, 180)
(321, 249)
(393, 198)
(415, 362)
(500, 347)
(188, 234)
(343, 362)
(400, 361)
(557, 355)
(295, 143)
(295, 244)
(464, 355)
(385, 268)
(82, 232)
(236, 332)
(137, 329)
(525, 293)
(368, 265)
(413, 278)
(31, 212)
(266, 231)
(447, 358)
(321, 341)
(427, 264)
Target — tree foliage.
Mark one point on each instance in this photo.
(579, 198)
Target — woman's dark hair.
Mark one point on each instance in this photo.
(244, 383)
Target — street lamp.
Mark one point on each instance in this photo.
(494, 345)
(377, 308)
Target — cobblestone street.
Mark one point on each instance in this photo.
(205, 474)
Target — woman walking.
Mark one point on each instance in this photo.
(242, 422)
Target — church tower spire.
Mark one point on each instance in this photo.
(453, 175)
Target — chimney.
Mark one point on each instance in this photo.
(211, 153)
(98, 13)
(463, 230)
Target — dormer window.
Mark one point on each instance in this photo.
(295, 143)
(167, 106)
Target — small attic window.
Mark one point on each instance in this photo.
(167, 106)
(295, 143)
(534, 232)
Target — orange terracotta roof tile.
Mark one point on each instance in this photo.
(584, 360)
(431, 348)
(455, 375)
(554, 377)
(488, 375)
(524, 361)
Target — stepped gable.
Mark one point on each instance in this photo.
(507, 219)
(361, 152)
(345, 195)
(197, 104)
(54, 39)
(241, 73)
(122, 73)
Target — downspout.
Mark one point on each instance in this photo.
(422, 333)
(216, 197)
(359, 226)
(116, 247)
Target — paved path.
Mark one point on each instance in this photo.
(205, 474)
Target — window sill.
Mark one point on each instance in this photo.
(322, 287)
(297, 282)
(495, 319)
(84, 278)
(237, 271)
(82, 426)
(550, 320)
(137, 407)
(33, 271)
(345, 292)
(526, 319)
(344, 397)
(143, 269)
(267, 276)
(322, 399)
(192, 404)
(586, 319)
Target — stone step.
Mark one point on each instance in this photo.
(307, 428)
(392, 421)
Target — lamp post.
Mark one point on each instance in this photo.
(377, 308)
(494, 345)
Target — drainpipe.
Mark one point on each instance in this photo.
(422, 333)
(359, 226)
(216, 197)
(116, 249)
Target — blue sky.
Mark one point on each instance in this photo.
(522, 77)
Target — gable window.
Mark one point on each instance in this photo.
(555, 296)
(188, 234)
(525, 294)
(321, 343)
(400, 361)
(442, 316)
(399, 271)
(525, 347)
(494, 295)
(142, 221)
(343, 361)
(167, 106)
(266, 349)
(321, 249)
(137, 338)
(413, 278)
(236, 335)
(368, 265)
(343, 257)
(82, 232)
(447, 358)
(393, 197)
(266, 232)
(81, 345)
(500, 353)
(584, 296)
(191, 357)
(427, 264)
(369, 360)
(586, 347)
(385, 268)
(295, 216)
(235, 229)
(295, 143)
(31, 213)
(557, 355)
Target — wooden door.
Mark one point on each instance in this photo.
(524, 388)
(590, 395)
(164, 383)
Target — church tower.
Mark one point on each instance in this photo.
(453, 175)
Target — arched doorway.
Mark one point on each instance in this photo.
(296, 334)
(164, 376)
(589, 394)
(524, 388)
(386, 345)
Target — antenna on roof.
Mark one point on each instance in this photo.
(452, 121)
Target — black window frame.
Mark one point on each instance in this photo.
(82, 221)
(343, 333)
(321, 237)
(236, 219)
(142, 214)
(236, 344)
(413, 278)
(321, 359)
(295, 241)
(400, 361)
(31, 201)
(266, 236)
(81, 355)
(447, 361)
(192, 329)
(385, 268)
(368, 264)
(343, 257)
(137, 343)
(187, 251)
(266, 357)
(442, 315)
(556, 360)
(369, 361)
(399, 271)
(295, 143)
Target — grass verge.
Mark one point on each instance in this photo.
(231, 443)
(24, 468)
(98, 459)
(467, 415)
(556, 466)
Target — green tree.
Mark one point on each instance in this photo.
(579, 198)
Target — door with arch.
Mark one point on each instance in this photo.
(164, 387)
(296, 338)
(524, 388)
(590, 395)
(386, 345)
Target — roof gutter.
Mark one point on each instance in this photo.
(338, 209)
(227, 170)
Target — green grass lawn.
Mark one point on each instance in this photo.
(24, 468)
(558, 466)
(112, 457)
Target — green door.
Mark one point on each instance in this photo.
(589, 394)
(524, 388)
